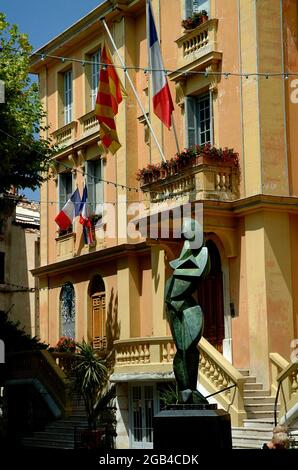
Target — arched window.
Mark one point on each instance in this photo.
(67, 311)
(98, 312)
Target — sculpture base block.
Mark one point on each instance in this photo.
(192, 427)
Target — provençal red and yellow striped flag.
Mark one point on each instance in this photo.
(108, 98)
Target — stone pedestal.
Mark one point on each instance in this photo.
(192, 427)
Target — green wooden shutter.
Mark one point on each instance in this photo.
(62, 191)
(98, 186)
(90, 185)
(190, 121)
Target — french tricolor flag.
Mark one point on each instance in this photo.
(69, 211)
(162, 100)
(85, 218)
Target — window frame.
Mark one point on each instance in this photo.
(67, 194)
(193, 123)
(73, 308)
(143, 444)
(68, 96)
(95, 188)
(91, 76)
(95, 71)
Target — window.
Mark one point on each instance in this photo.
(95, 186)
(95, 59)
(67, 97)
(92, 70)
(199, 120)
(2, 267)
(65, 188)
(67, 310)
(143, 406)
(192, 6)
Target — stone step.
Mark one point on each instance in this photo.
(263, 433)
(77, 412)
(260, 414)
(54, 436)
(66, 424)
(253, 442)
(246, 445)
(255, 392)
(251, 400)
(244, 372)
(31, 442)
(252, 386)
(260, 407)
(259, 422)
(250, 379)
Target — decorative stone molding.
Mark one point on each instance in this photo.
(142, 120)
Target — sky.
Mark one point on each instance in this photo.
(42, 20)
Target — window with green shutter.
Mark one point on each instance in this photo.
(198, 119)
(95, 185)
(65, 188)
(67, 97)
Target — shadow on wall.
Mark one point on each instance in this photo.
(112, 328)
(17, 300)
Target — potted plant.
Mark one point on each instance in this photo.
(90, 379)
(195, 19)
(66, 344)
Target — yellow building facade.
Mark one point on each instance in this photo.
(111, 292)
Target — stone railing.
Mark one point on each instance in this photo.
(277, 365)
(198, 42)
(285, 380)
(202, 178)
(138, 355)
(216, 373)
(66, 361)
(65, 135)
(140, 351)
(89, 123)
(40, 366)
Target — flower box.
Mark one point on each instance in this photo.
(195, 20)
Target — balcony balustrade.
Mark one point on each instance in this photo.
(65, 135)
(199, 46)
(89, 124)
(200, 178)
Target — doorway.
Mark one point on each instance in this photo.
(211, 299)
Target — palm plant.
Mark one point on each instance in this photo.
(90, 378)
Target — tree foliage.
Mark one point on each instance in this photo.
(24, 158)
(15, 338)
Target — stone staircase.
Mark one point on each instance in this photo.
(259, 406)
(60, 434)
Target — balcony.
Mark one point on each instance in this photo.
(89, 124)
(199, 179)
(65, 135)
(65, 246)
(146, 354)
(197, 48)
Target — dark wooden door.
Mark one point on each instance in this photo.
(210, 298)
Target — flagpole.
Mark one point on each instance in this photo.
(133, 89)
(175, 134)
